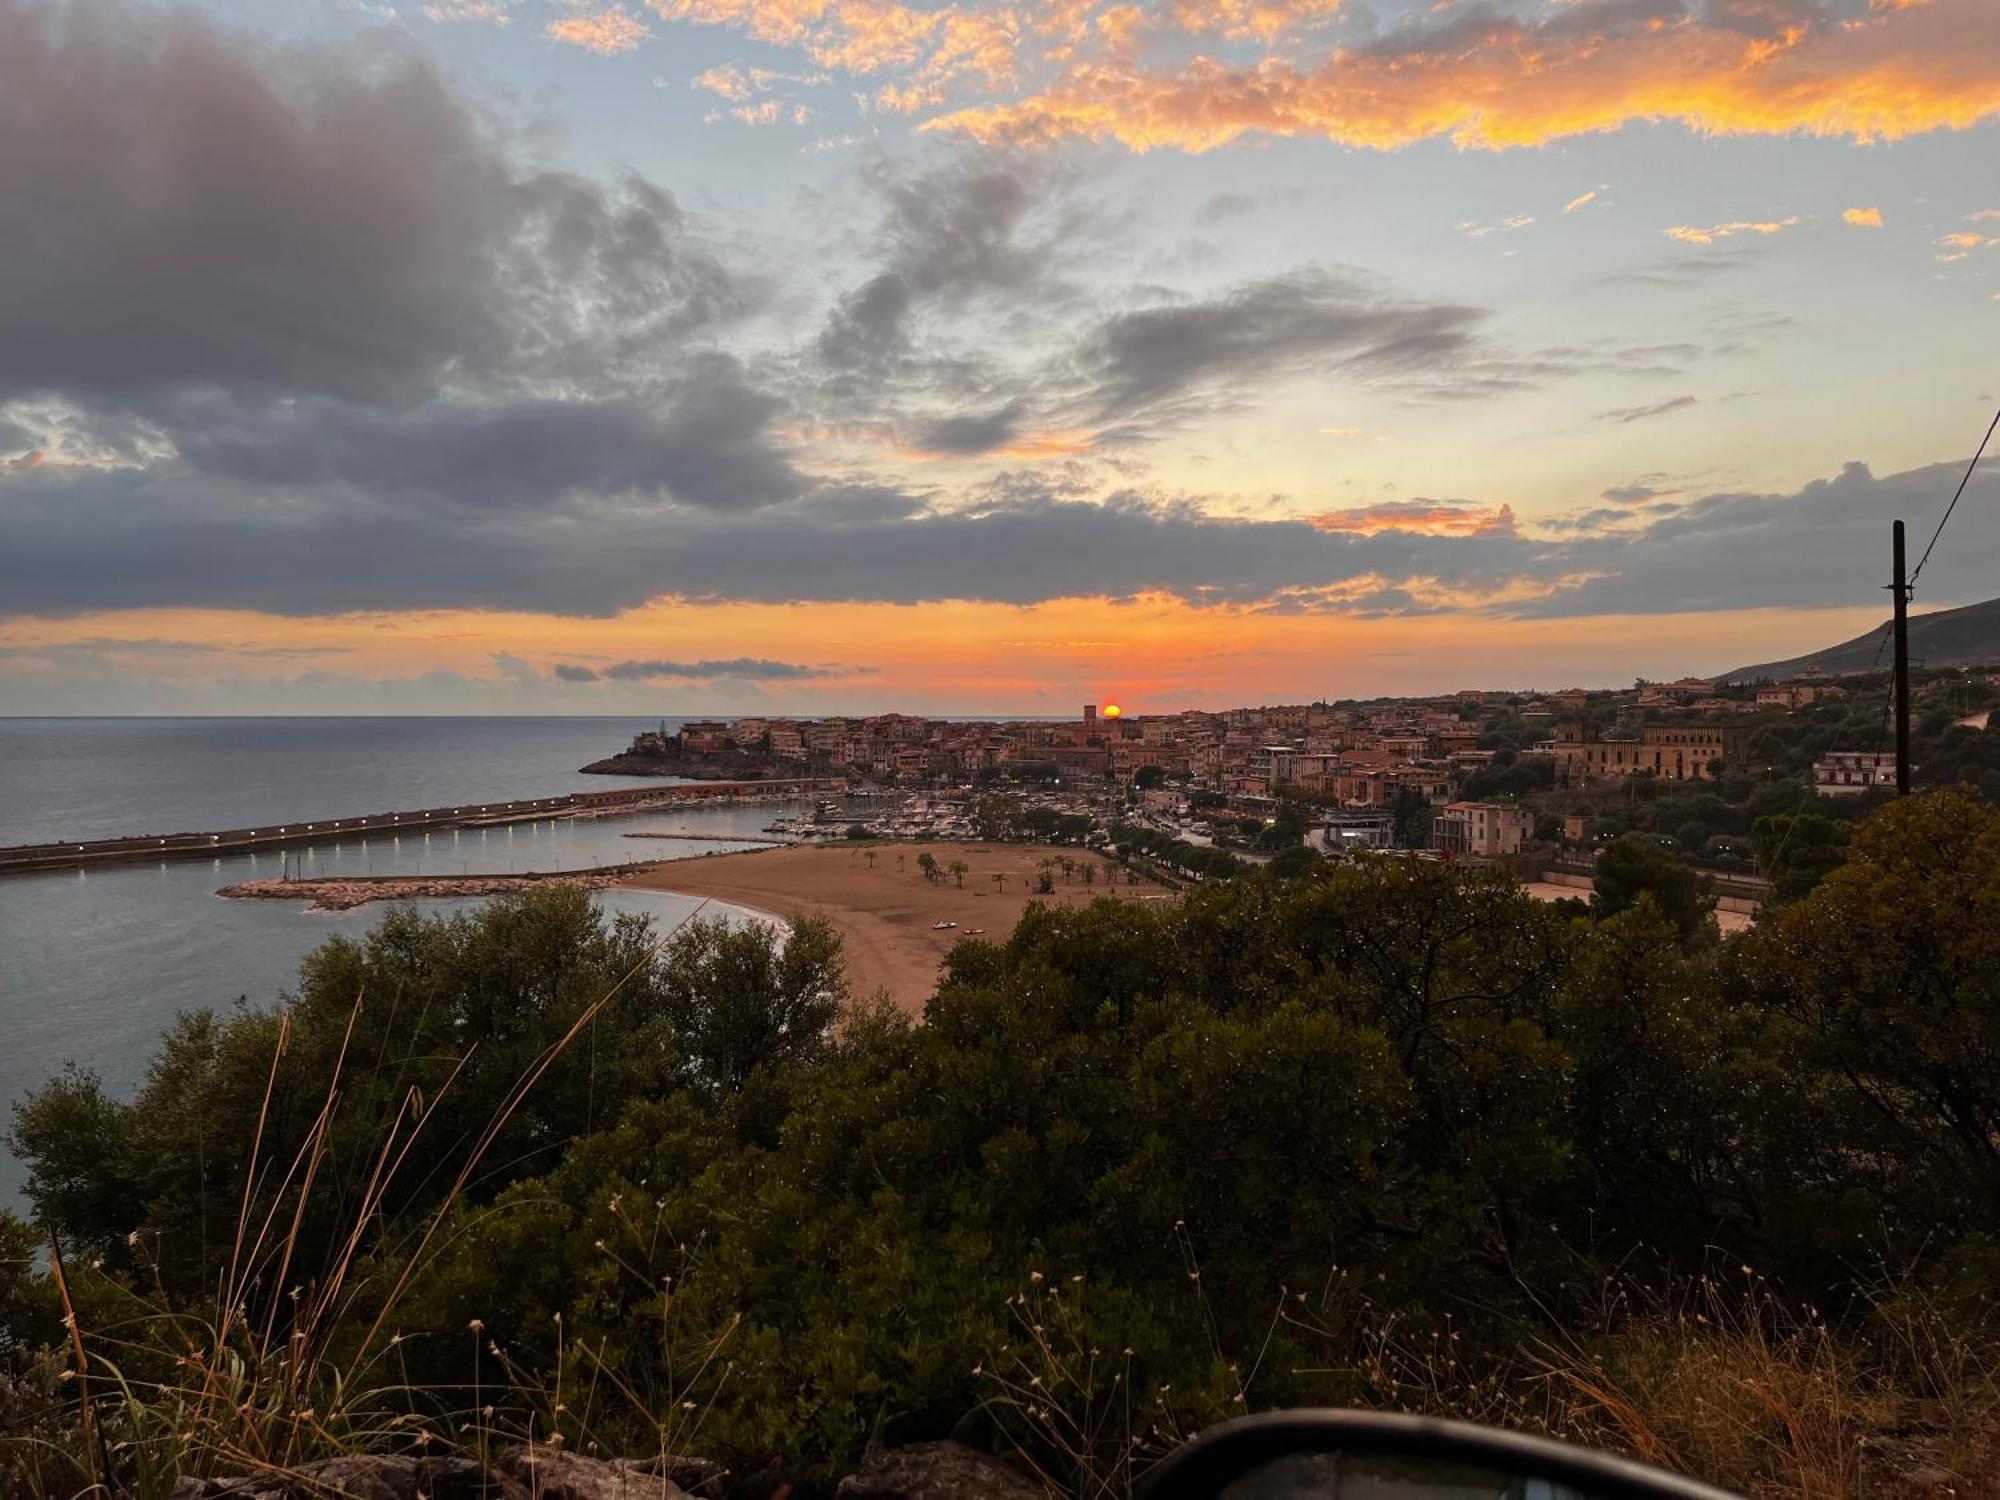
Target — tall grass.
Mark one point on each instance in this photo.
(273, 1377)
(1714, 1376)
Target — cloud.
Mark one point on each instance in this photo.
(1279, 325)
(1824, 545)
(701, 440)
(971, 433)
(1222, 207)
(1424, 517)
(1475, 230)
(1689, 234)
(1958, 246)
(607, 32)
(1489, 81)
(361, 236)
(1625, 414)
(1584, 200)
(740, 669)
(949, 234)
(454, 12)
(1864, 218)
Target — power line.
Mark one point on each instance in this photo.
(1966, 479)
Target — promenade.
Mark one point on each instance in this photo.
(145, 848)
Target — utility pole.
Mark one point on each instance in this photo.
(1901, 589)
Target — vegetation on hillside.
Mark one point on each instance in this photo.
(1386, 1133)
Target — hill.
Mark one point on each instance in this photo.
(1964, 637)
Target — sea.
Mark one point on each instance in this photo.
(94, 964)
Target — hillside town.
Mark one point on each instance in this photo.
(1522, 778)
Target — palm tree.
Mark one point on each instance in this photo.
(959, 868)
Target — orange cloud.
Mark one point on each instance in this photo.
(605, 32)
(1689, 234)
(1264, 20)
(1864, 218)
(1513, 83)
(1424, 517)
(1958, 246)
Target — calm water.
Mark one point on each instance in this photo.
(92, 965)
(107, 778)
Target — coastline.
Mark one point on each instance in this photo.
(884, 908)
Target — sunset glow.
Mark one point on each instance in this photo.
(529, 357)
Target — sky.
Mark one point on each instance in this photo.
(960, 356)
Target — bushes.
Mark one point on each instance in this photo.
(1284, 1131)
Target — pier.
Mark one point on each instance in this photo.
(146, 848)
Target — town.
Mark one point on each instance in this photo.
(1536, 781)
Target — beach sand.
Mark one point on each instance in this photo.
(884, 911)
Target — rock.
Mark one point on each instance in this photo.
(937, 1471)
(551, 1474)
(703, 1478)
(369, 1477)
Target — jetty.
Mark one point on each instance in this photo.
(149, 848)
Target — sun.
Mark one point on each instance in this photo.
(1112, 710)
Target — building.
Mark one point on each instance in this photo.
(1482, 830)
(1673, 752)
(1353, 829)
(1841, 773)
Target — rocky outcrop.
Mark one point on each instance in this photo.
(937, 1471)
(364, 1477)
(344, 895)
(529, 1473)
(925, 1471)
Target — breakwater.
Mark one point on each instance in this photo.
(145, 848)
(348, 892)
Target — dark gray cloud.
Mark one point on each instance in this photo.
(966, 228)
(1824, 545)
(972, 432)
(316, 267)
(702, 440)
(1312, 319)
(180, 205)
(76, 541)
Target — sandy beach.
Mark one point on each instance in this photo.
(884, 908)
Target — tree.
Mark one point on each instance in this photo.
(1292, 862)
(1635, 866)
(959, 870)
(858, 831)
(1795, 851)
(1885, 983)
(927, 862)
(1148, 778)
(737, 999)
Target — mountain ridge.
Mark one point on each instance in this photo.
(1962, 637)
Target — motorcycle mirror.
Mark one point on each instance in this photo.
(1361, 1455)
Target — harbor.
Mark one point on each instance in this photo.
(148, 848)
